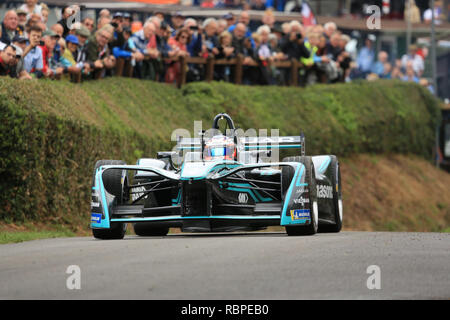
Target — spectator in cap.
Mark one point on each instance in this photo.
(68, 59)
(229, 18)
(118, 15)
(126, 23)
(20, 42)
(52, 66)
(18, 64)
(22, 17)
(117, 40)
(10, 27)
(82, 34)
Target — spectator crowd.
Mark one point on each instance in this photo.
(91, 47)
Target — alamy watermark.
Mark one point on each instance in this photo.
(374, 280)
(373, 22)
(73, 281)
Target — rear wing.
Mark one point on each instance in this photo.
(251, 143)
(287, 142)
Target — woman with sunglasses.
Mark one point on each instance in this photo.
(179, 47)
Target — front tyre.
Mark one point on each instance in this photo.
(112, 181)
(337, 198)
(310, 179)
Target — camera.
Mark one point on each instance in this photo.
(114, 24)
(299, 36)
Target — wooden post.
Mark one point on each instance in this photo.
(76, 77)
(120, 62)
(238, 69)
(127, 69)
(294, 72)
(209, 74)
(183, 72)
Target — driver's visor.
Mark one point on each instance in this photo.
(228, 152)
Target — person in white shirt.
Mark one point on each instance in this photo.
(30, 7)
(418, 64)
(439, 15)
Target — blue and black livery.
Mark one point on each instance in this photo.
(225, 183)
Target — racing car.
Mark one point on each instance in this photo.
(218, 183)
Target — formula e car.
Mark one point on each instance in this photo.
(217, 183)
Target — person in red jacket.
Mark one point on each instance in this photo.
(50, 39)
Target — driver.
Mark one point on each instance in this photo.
(220, 147)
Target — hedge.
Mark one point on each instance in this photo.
(51, 133)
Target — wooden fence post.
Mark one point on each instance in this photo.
(120, 62)
(209, 72)
(294, 72)
(238, 69)
(183, 72)
(76, 77)
(127, 69)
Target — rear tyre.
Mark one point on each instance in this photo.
(112, 181)
(337, 198)
(287, 174)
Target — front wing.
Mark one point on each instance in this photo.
(230, 194)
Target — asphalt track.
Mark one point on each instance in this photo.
(231, 266)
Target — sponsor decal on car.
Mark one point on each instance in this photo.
(243, 198)
(301, 201)
(96, 217)
(324, 192)
(138, 193)
(300, 214)
(300, 190)
(95, 204)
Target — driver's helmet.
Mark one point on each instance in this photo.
(220, 147)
